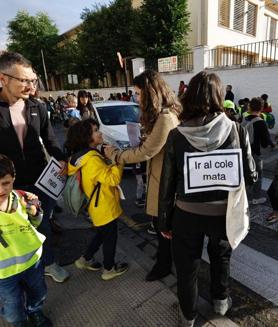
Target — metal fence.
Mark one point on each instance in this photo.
(245, 55)
(185, 62)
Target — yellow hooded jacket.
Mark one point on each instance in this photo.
(94, 169)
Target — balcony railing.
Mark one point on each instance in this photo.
(245, 55)
(185, 62)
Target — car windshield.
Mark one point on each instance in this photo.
(118, 115)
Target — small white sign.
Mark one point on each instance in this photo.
(133, 132)
(168, 64)
(214, 170)
(50, 182)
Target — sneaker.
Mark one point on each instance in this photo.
(151, 230)
(222, 306)
(82, 263)
(140, 203)
(116, 271)
(259, 200)
(38, 319)
(272, 218)
(56, 272)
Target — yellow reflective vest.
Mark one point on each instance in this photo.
(20, 243)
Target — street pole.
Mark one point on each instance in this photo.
(45, 73)
(125, 72)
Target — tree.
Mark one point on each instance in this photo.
(29, 35)
(105, 31)
(164, 27)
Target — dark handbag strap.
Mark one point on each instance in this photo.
(96, 189)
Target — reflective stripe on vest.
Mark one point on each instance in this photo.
(16, 260)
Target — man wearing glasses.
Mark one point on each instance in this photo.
(22, 123)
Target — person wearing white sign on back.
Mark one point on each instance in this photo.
(197, 195)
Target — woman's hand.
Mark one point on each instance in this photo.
(167, 235)
(108, 151)
(64, 168)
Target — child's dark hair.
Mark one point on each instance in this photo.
(79, 136)
(6, 166)
(256, 104)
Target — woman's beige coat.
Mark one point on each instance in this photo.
(152, 151)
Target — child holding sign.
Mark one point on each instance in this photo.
(104, 208)
(22, 285)
(202, 192)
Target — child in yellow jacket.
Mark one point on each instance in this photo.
(104, 208)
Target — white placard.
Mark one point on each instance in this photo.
(168, 64)
(214, 170)
(133, 132)
(50, 182)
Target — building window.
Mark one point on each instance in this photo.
(251, 19)
(272, 29)
(224, 13)
(239, 15)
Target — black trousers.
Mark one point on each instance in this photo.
(164, 251)
(106, 236)
(189, 231)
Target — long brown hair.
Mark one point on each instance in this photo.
(155, 95)
(204, 95)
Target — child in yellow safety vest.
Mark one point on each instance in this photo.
(22, 285)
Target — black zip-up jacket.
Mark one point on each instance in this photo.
(172, 176)
(30, 161)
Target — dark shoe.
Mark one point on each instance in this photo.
(38, 319)
(156, 274)
(23, 323)
(140, 203)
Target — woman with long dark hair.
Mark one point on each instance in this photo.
(159, 114)
(202, 192)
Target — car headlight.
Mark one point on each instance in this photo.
(123, 144)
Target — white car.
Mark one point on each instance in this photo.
(112, 117)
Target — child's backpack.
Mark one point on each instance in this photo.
(74, 197)
(248, 124)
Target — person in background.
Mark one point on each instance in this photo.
(229, 94)
(22, 285)
(83, 101)
(72, 110)
(131, 96)
(266, 105)
(259, 137)
(24, 129)
(187, 216)
(159, 114)
(182, 89)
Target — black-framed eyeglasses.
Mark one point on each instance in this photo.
(24, 81)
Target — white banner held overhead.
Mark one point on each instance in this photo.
(50, 182)
(214, 170)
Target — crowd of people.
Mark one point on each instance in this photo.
(177, 130)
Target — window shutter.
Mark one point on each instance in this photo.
(272, 31)
(239, 15)
(251, 19)
(224, 13)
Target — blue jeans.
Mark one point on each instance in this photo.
(48, 205)
(22, 294)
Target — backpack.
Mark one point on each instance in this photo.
(74, 197)
(248, 124)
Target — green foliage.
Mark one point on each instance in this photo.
(106, 30)
(29, 34)
(164, 27)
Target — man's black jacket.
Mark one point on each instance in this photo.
(30, 161)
